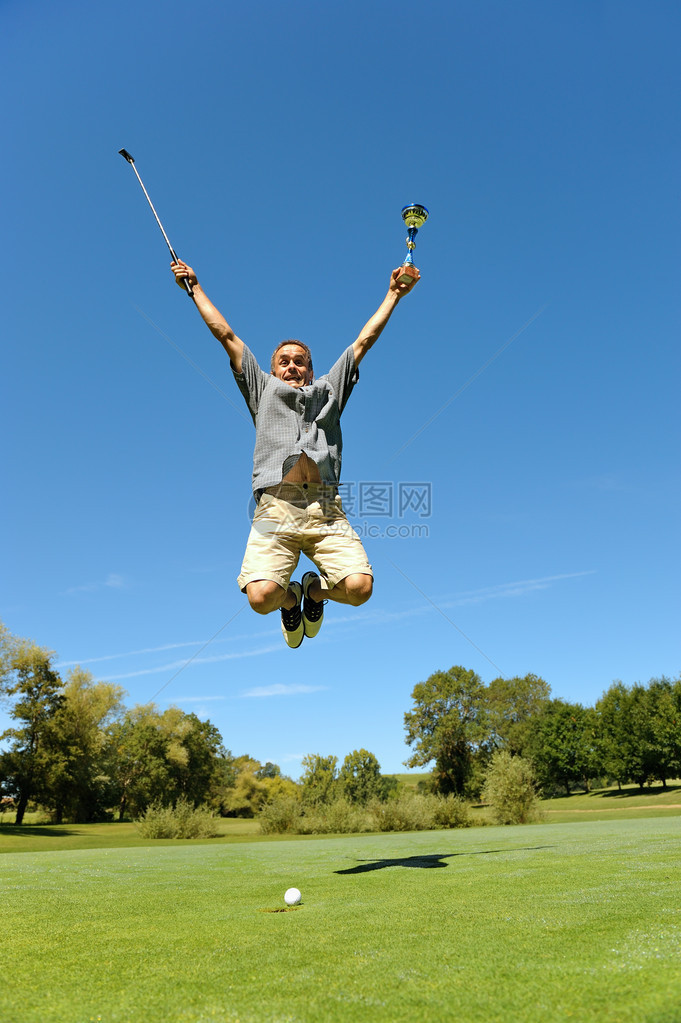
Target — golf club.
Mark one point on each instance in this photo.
(126, 155)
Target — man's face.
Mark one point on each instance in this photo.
(291, 366)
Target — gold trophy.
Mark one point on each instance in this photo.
(414, 217)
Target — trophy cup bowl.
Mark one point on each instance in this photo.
(414, 217)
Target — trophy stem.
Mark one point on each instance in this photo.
(414, 217)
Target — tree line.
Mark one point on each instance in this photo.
(632, 734)
(75, 750)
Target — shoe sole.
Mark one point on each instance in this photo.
(287, 637)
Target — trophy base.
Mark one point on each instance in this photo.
(408, 275)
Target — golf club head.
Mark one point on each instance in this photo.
(124, 153)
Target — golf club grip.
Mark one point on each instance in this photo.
(185, 281)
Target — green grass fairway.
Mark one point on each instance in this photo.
(628, 801)
(57, 837)
(549, 922)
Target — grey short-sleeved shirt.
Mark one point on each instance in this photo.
(292, 420)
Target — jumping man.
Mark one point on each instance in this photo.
(296, 471)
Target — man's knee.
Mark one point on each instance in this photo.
(265, 596)
(358, 588)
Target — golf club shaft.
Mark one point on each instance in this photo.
(126, 155)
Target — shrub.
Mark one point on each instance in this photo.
(337, 818)
(414, 812)
(452, 812)
(408, 812)
(183, 820)
(510, 789)
(286, 814)
(394, 814)
(281, 815)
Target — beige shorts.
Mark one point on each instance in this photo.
(296, 518)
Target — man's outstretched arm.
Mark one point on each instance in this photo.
(212, 317)
(371, 330)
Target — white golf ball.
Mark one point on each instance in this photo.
(292, 897)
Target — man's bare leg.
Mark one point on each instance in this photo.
(354, 589)
(265, 596)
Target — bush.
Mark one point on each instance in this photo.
(414, 812)
(280, 816)
(408, 812)
(510, 789)
(183, 820)
(337, 818)
(452, 812)
(286, 814)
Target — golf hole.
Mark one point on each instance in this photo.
(281, 909)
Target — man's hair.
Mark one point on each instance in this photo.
(292, 341)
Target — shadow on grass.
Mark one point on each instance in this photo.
(35, 830)
(629, 791)
(427, 862)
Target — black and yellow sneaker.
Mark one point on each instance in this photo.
(292, 620)
(313, 610)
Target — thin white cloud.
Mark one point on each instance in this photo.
(501, 590)
(513, 589)
(278, 689)
(113, 581)
(175, 665)
(157, 649)
(131, 653)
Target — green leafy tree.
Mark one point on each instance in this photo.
(663, 699)
(30, 681)
(199, 768)
(222, 786)
(159, 757)
(80, 785)
(8, 648)
(246, 794)
(255, 786)
(563, 745)
(642, 759)
(616, 741)
(319, 779)
(449, 725)
(639, 731)
(140, 764)
(360, 778)
(512, 703)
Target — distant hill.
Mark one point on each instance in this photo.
(411, 779)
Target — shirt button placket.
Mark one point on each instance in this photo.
(301, 409)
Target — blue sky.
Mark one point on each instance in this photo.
(528, 387)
